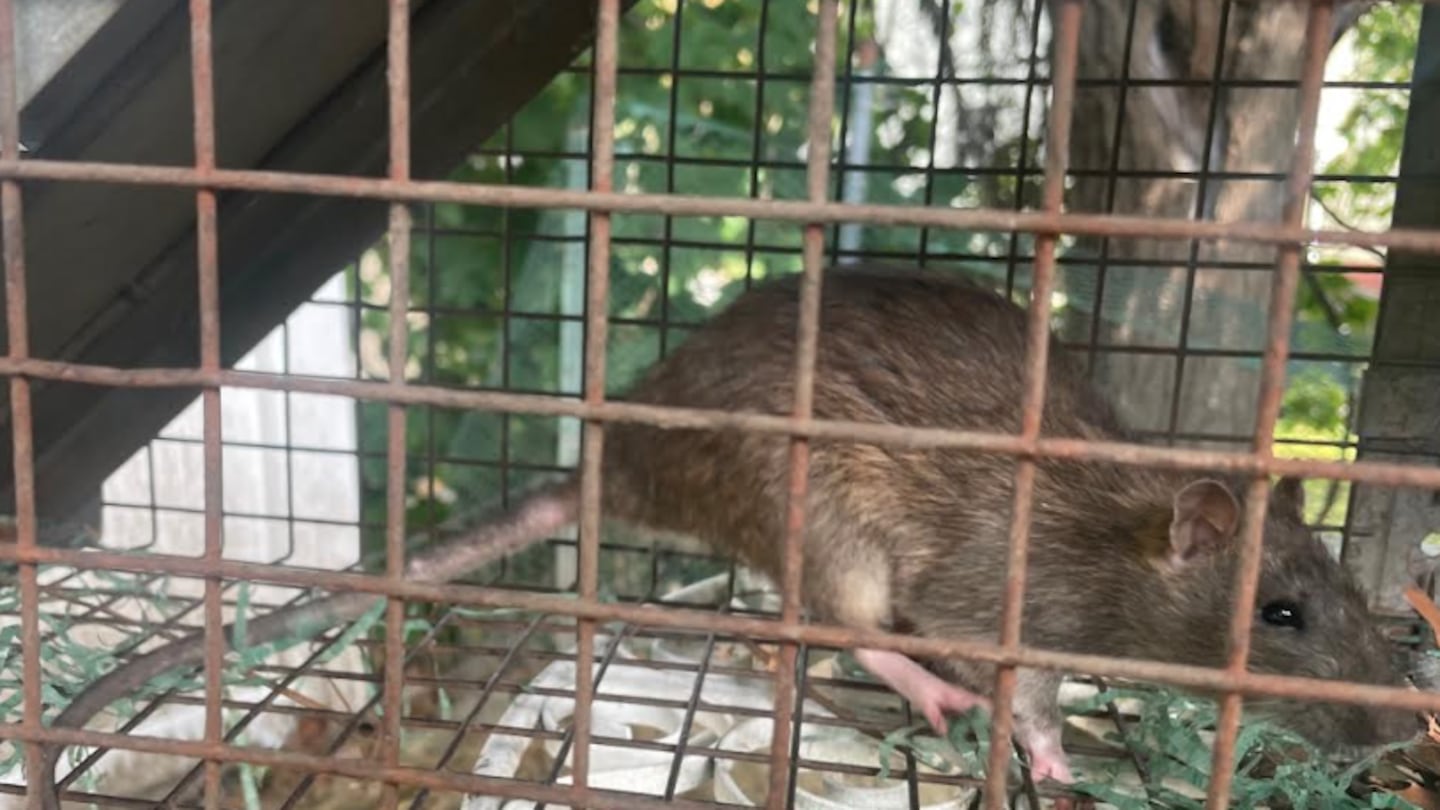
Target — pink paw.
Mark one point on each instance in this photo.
(936, 703)
(931, 695)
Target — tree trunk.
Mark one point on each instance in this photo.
(1145, 285)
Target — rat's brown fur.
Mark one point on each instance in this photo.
(916, 540)
(923, 533)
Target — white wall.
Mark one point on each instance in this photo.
(262, 486)
(266, 485)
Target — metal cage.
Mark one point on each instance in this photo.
(784, 640)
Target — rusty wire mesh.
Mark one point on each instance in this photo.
(783, 640)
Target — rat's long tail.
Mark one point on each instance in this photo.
(533, 519)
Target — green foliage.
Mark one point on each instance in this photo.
(1385, 39)
(473, 266)
(508, 285)
(1171, 734)
(1332, 316)
(966, 746)
(498, 294)
(69, 666)
(1314, 403)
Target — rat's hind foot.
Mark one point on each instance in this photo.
(927, 692)
(1048, 761)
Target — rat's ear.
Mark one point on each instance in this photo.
(1288, 498)
(1205, 518)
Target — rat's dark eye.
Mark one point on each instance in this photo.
(1283, 613)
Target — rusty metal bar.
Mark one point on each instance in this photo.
(355, 718)
(1103, 262)
(1202, 195)
(937, 96)
(758, 629)
(205, 178)
(672, 128)
(778, 249)
(397, 73)
(681, 205)
(757, 140)
(507, 660)
(597, 310)
(1379, 473)
(913, 82)
(1037, 339)
(1272, 388)
(171, 629)
(254, 710)
(358, 769)
(807, 341)
(567, 738)
(973, 171)
(1022, 167)
(246, 754)
(207, 263)
(12, 234)
(693, 703)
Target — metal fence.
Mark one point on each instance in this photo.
(601, 202)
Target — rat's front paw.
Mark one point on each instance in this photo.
(930, 695)
(946, 699)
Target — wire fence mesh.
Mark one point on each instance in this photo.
(639, 208)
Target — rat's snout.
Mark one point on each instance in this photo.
(1370, 727)
(1372, 659)
(1393, 725)
(1373, 726)
(1386, 726)
(1349, 728)
(1346, 728)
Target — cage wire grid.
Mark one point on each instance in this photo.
(790, 639)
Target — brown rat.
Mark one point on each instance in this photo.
(1123, 561)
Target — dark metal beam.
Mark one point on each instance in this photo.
(112, 269)
(1400, 404)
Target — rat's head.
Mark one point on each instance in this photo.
(1310, 618)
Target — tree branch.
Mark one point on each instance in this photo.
(1341, 221)
(1346, 15)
